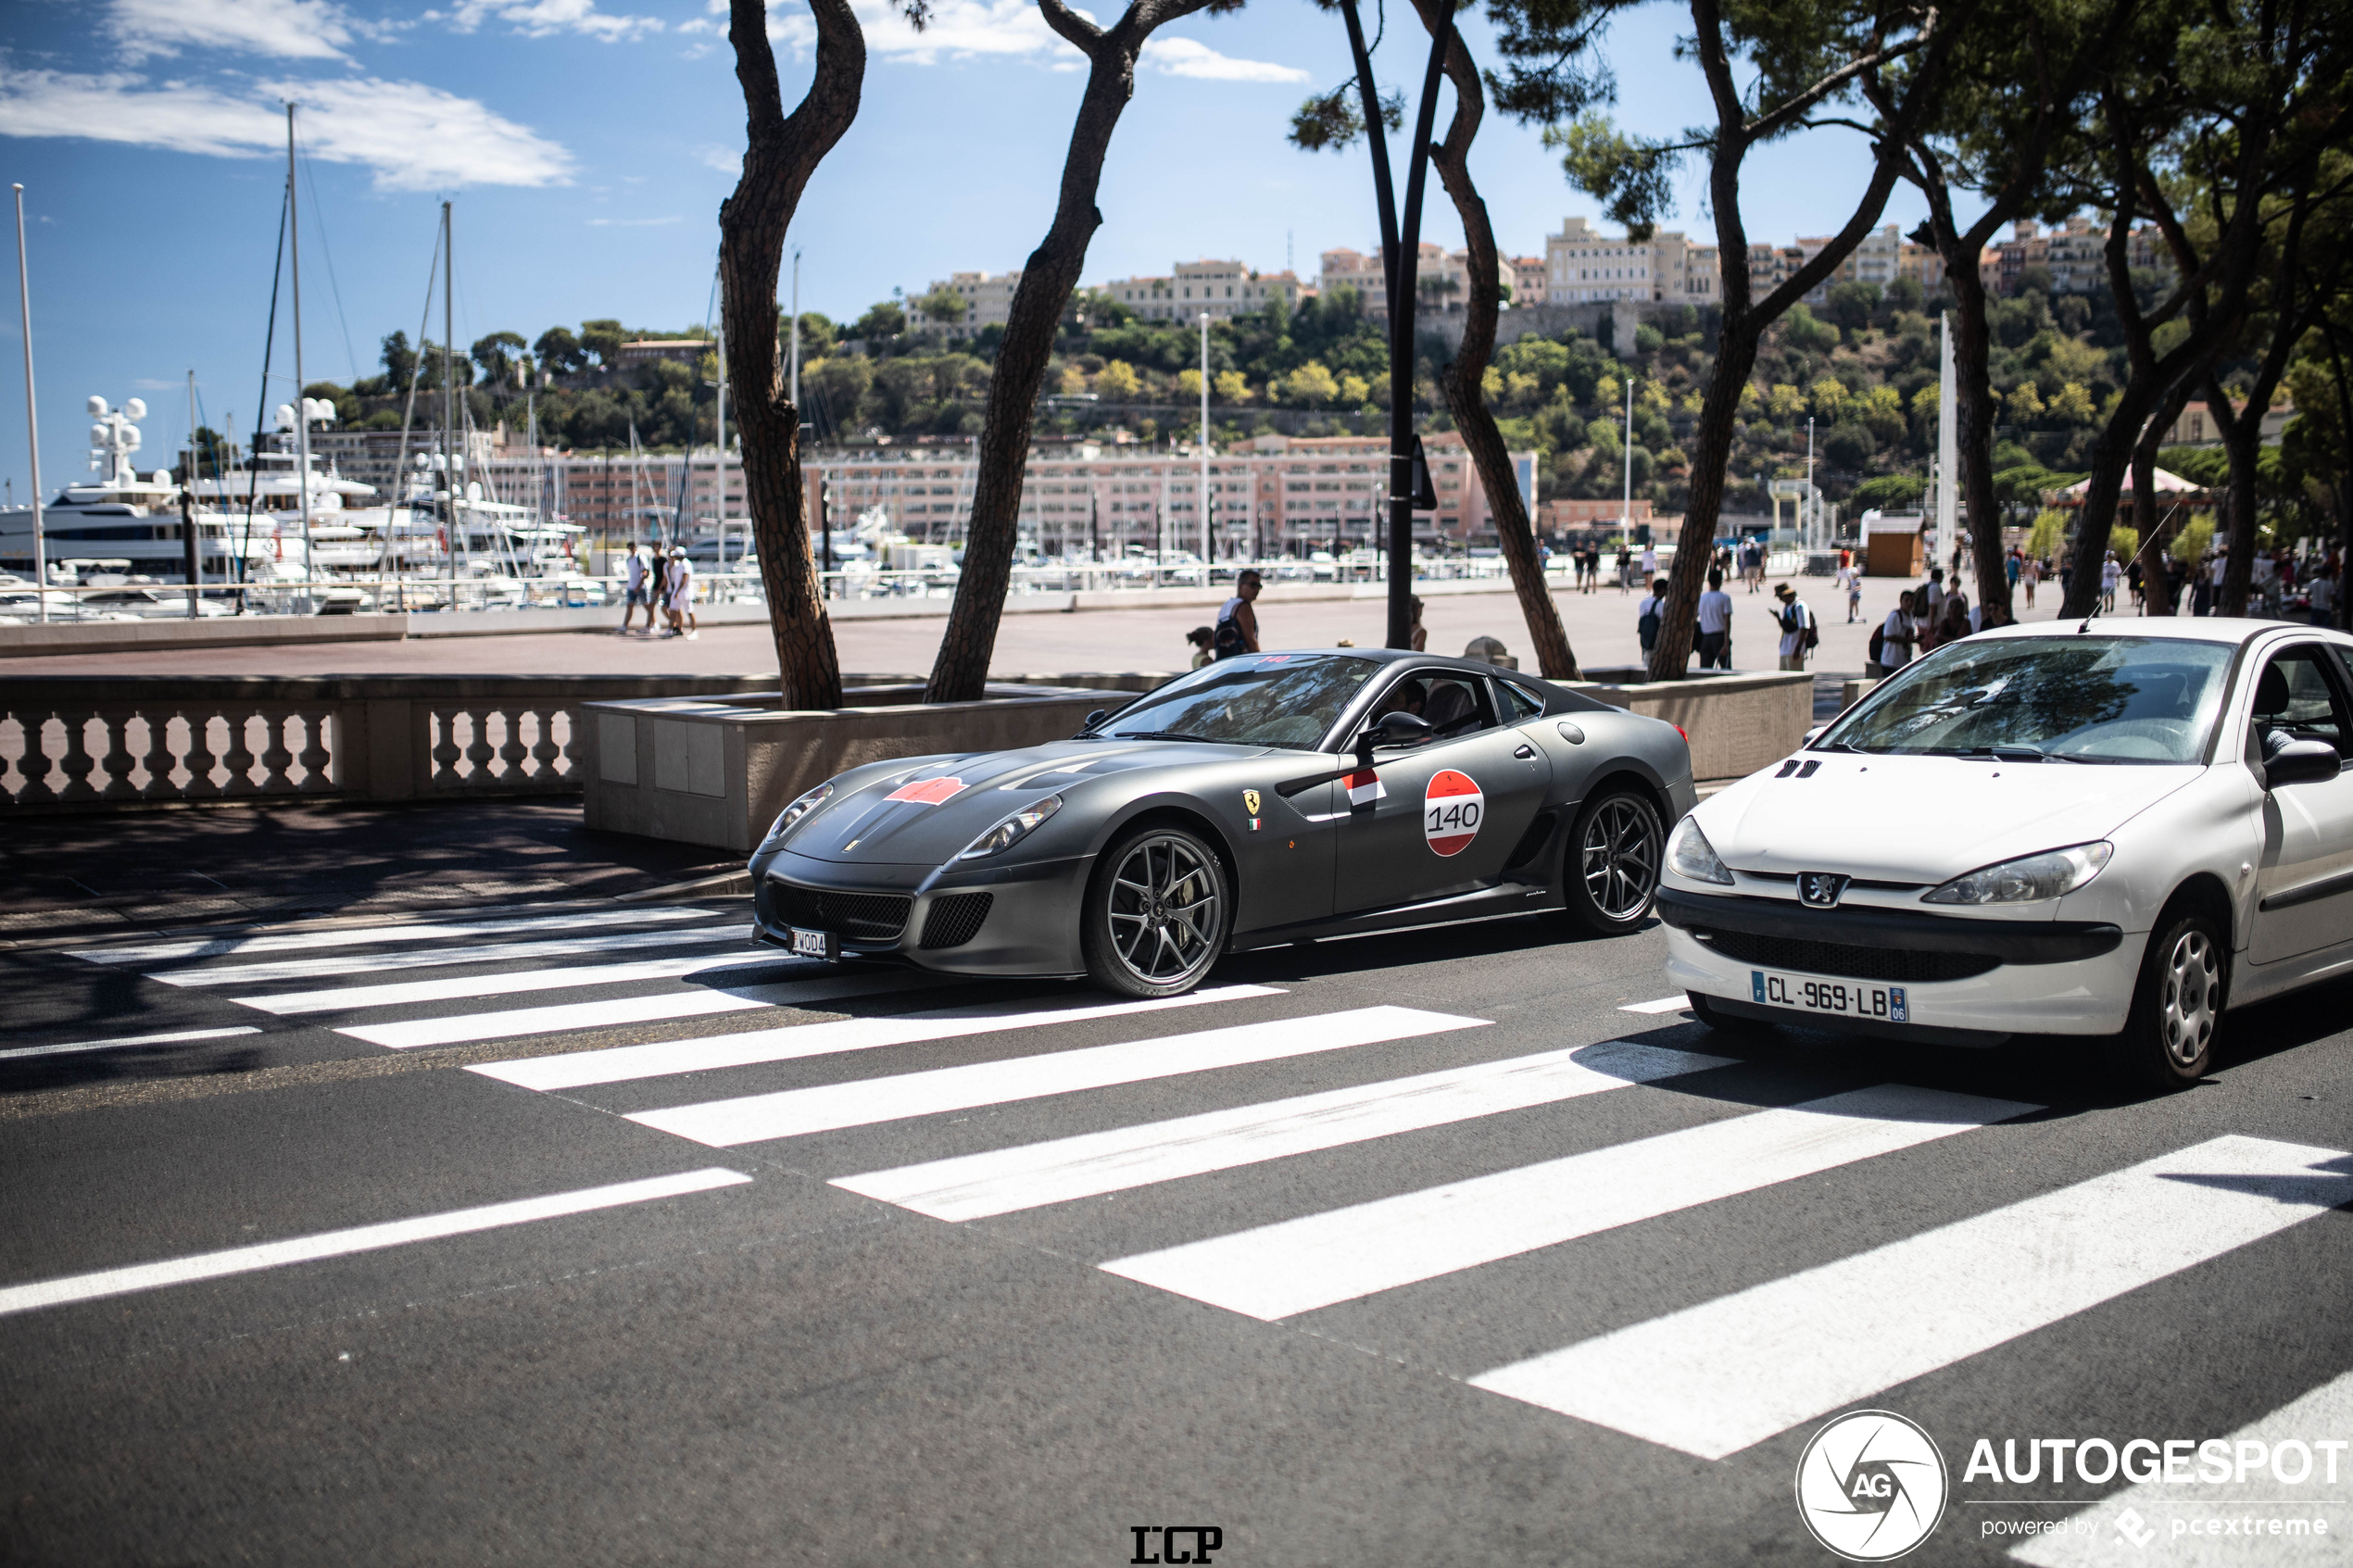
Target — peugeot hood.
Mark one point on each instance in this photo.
(1921, 819)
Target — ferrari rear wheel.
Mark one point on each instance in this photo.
(1615, 847)
(1156, 914)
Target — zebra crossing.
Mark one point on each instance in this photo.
(1709, 1377)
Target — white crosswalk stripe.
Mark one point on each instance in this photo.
(1000, 1182)
(578, 1069)
(758, 1118)
(1716, 1378)
(369, 936)
(451, 988)
(270, 971)
(1318, 1259)
(616, 1011)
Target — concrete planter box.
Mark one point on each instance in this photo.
(1737, 723)
(717, 773)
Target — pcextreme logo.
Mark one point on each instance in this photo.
(1872, 1485)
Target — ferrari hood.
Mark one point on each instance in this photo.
(929, 809)
(1923, 818)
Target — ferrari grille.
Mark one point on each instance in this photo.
(861, 917)
(956, 919)
(1897, 964)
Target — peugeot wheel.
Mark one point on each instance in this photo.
(2167, 1042)
(1615, 847)
(1156, 914)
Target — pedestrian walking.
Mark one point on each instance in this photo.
(1716, 625)
(2030, 571)
(1649, 564)
(1236, 632)
(2110, 574)
(1892, 640)
(1625, 570)
(1593, 562)
(1799, 634)
(1202, 638)
(681, 595)
(1647, 617)
(1852, 581)
(1417, 635)
(633, 579)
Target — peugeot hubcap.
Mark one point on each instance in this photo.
(2186, 1011)
(1164, 911)
(1621, 859)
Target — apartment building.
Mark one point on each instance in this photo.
(1528, 279)
(989, 302)
(2074, 254)
(1582, 264)
(1280, 494)
(1220, 289)
(678, 350)
(1923, 265)
(2196, 424)
(373, 456)
(1442, 278)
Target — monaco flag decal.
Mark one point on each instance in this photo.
(1364, 788)
(927, 792)
(1450, 809)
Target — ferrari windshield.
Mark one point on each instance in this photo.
(1285, 699)
(2075, 698)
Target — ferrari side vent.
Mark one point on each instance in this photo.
(1532, 843)
(955, 920)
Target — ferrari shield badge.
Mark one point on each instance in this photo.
(1450, 809)
(1250, 803)
(927, 792)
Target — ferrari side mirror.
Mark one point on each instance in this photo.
(1401, 728)
(1094, 719)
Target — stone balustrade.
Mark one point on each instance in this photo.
(98, 742)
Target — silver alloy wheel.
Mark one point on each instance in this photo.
(2185, 1008)
(1620, 859)
(1165, 918)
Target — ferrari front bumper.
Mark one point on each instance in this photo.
(1010, 921)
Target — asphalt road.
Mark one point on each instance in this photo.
(1609, 1292)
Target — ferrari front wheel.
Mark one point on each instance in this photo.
(1156, 914)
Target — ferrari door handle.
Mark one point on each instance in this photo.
(1525, 752)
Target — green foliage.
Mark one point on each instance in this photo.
(1800, 329)
(884, 319)
(603, 338)
(1631, 177)
(2047, 534)
(2193, 539)
(1889, 493)
(1335, 119)
(943, 304)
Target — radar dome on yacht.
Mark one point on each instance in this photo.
(130, 437)
(98, 433)
(318, 408)
(161, 476)
(98, 410)
(473, 490)
(135, 410)
(285, 416)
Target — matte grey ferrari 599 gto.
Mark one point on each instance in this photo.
(1261, 800)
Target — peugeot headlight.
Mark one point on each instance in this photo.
(798, 810)
(1690, 853)
(1014, 829)
(2027, 880)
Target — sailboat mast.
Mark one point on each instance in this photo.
(302, 400)
(720, 420)
(31, 425)
(449, 471)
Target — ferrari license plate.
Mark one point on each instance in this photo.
(1845, 999)
(815, 944)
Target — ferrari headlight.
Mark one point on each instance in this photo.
(1014, 829)
(1690, 853)
(798, 810)
(2027, 880)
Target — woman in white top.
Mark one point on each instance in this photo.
(1896, 635)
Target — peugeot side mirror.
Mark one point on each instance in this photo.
(1812, 735)
(2301, 761)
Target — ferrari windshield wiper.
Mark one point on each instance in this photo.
(1165, 734)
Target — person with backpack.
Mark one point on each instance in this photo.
(1647, 617)
(1799, 634)
(1237, 631)
(1714, 625)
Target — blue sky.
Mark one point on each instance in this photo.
(588, 143)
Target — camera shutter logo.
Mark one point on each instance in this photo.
(1872, 1485)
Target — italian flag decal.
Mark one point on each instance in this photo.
(1364, 788)
(1450, 809)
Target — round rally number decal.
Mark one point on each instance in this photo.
(1450, 809)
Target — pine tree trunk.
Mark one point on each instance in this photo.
(784, 151)
(1463, 380)
(960, 672)
(1973, 433)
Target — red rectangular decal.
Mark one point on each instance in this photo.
(927, 792)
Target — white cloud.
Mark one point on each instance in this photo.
(724, 159)
(630, 222)
(288, 30)
(542, 19)
(1189, 56)
(412, 136)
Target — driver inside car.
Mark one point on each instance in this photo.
(1405, 696)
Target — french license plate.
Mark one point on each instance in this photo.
(1846, 999)
(815, 945)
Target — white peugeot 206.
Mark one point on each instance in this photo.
(2111, 831)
